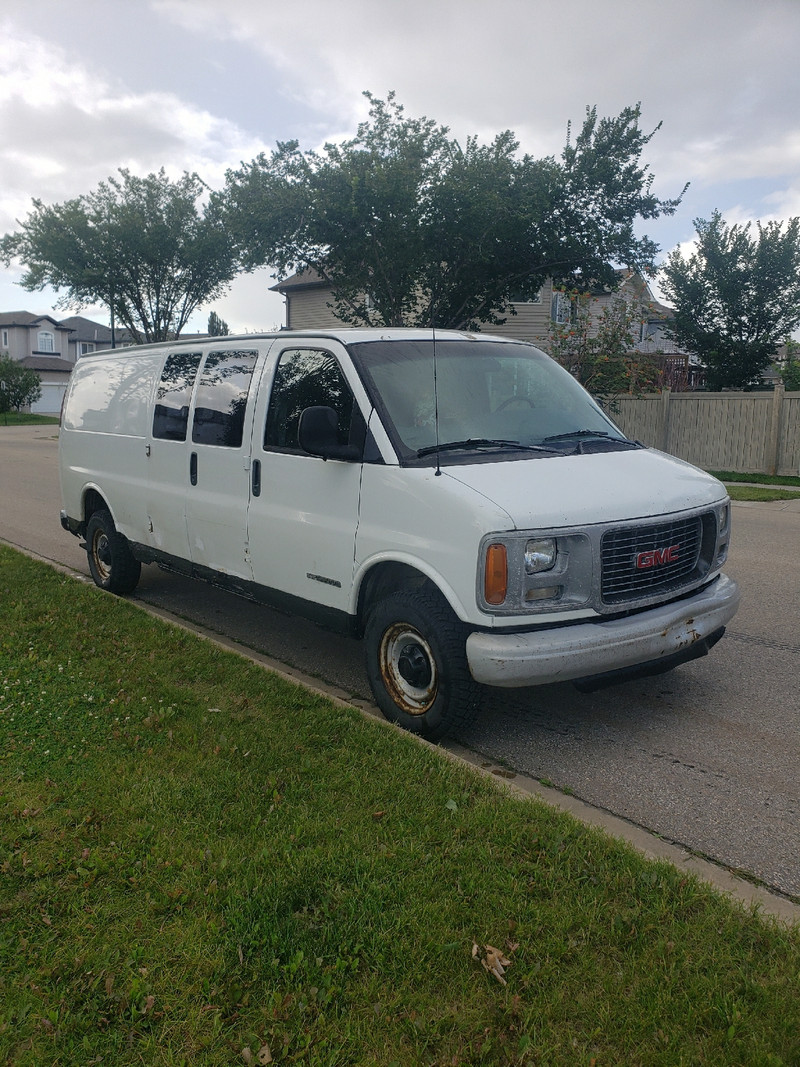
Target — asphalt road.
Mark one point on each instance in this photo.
(707, 756)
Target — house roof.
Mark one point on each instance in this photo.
(87, 330)
(304, 279)
(25, 318)
(48, 363)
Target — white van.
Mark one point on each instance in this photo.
(458, 500)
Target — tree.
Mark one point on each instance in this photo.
(736, 297)
(600, 352)
(790, 372)
(18, 385)
(409, 227)
(141, 246)
(217, 327)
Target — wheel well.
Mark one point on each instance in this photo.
(92, 502)
(387, 578)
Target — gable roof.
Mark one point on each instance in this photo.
(87, 330)
(25, 318)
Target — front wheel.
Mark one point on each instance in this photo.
(111, 562)
(417, 665)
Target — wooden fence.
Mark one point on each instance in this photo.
(756, 433)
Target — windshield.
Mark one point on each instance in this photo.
(490, 396)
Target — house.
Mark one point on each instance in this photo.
(40, 343)
(51, 348)
(308, 306)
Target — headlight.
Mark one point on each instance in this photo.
(540, 555)
(528, 572)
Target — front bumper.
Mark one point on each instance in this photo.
(664, 635)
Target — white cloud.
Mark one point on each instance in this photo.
(66, 129)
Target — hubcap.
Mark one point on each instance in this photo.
(408, 668)
(101, 551)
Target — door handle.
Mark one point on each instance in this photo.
(256, 468)
(193, 468)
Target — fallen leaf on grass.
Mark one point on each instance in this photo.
(492, 960)
(264, 1055)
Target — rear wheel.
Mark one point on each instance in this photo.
(111, 562)
(417, 664)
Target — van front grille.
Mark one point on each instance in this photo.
(643, 561)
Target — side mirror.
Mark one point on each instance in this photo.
(317, 434)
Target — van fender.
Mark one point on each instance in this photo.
(399, 569)
(93, 498)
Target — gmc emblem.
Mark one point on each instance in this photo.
(657, 557)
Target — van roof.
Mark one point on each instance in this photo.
(346, 335)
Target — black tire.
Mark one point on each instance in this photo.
(111, 562)
(417, 664)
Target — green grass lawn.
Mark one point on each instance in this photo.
(754, 492)
(762, 479)
(202, 863)
(17, 418)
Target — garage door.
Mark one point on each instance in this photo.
(49, 403)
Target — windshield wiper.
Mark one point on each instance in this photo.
(576, 433)
(598, 435)
(481, 442)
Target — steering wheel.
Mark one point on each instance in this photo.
(514, 400)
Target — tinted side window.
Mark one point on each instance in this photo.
(171, 416)
(222, 398)
(306, 378)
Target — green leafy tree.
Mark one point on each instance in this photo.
(736, 297)
(409, 227)
(599, 350)
(790, 372)
(19, 385)
(217, 327)
(143, 247)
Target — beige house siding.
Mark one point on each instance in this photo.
(308, 298)
(531, 321)
(307, 309)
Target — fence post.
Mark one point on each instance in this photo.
(665, 395)
(773, 442)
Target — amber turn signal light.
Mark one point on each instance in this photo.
(495, 581)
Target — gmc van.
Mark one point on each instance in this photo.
(458, 501)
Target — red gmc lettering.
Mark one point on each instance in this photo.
(657, 557)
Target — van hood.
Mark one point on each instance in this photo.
(581, 490)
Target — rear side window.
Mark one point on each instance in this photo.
(306, 378)
(222, 398)
(171, 416)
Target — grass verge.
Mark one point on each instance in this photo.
(754, 492)
(204, 863)
(762, 479)
(21, 418)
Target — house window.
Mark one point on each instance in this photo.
(5, 339)
(46, 341)
(84, 347)
(561, 309)
(518, 298)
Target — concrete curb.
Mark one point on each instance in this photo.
(746, 893)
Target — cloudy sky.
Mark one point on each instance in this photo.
(87, 86)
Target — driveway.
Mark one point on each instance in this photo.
(707, 756)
